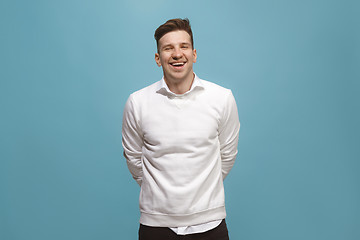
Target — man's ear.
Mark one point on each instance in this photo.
(157, 59)
(195, 55)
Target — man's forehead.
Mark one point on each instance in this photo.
(175, 37)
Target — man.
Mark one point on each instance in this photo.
(180, 139)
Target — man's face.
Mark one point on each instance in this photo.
(176, 56)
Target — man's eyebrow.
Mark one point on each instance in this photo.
(166, 45)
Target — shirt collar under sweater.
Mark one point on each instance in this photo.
(164, 89)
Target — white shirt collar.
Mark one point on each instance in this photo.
(164, 89)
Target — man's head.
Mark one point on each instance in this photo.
(174, 25)
(176, 53)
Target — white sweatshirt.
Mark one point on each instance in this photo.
(179, 148)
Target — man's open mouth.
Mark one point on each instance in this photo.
(178, 64)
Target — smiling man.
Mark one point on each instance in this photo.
(176, 56)
(180, 139)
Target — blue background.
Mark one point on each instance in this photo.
(67, 68)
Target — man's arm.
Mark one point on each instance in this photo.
(229, 134)
(132, 140)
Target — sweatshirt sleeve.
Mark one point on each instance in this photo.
(229, 134)
(132, 140)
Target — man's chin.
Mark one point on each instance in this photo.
(178, 76)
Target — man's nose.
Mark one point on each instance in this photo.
(176, 53)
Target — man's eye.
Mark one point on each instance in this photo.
(184, 47)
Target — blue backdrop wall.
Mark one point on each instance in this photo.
(67, 68)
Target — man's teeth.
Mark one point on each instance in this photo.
(177, 64)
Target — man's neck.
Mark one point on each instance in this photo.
(180, 86)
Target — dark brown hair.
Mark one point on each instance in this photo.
(173, 25)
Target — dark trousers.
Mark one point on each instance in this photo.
(164, 233)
